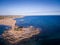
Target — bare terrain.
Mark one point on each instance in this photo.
(16, 35)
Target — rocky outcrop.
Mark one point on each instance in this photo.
(8, 21)
(13, 36)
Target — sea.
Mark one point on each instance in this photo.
(50, 29)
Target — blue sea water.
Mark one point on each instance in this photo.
(3, 28)
(50, 25)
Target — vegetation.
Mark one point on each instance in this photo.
(17, 29)
(1, 17)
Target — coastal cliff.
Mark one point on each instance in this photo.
(13, 36)
(17, 34)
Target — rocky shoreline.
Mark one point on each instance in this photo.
(13, 36)
(16, 33)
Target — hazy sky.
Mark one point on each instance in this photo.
(29, 7)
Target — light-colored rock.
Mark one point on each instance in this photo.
(8, 21)
(13, 36)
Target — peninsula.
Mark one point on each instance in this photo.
(16, 34)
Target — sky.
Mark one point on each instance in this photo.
(29, 7)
